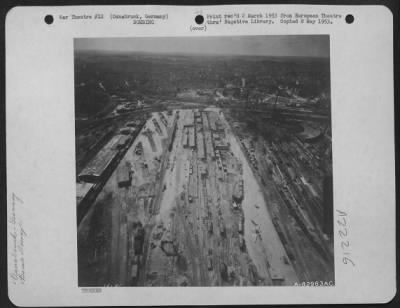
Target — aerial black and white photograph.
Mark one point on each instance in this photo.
(204, 161)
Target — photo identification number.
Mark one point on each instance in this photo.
(343, 230)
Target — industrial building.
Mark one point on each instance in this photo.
(185, 138)
(209, 146)
(189, 119)
(122, 142)
(201, 154)
(124, 176)
(207, 135)
(212, 120)
(192, 137)
(94, 170)
(189, 137)
(220, 143)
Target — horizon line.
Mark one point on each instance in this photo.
(76, 50)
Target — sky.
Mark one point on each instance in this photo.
(271, 45)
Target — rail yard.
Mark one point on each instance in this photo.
(196, 200)
(186, 190)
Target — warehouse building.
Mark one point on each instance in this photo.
(220, 144)
(192, 137)
(201, 154)
(104, 159)
(185, 137)
(189, 120)
(209, 146)
(212, 120)
(122, 141)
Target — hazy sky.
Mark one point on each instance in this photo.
(271, 45)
